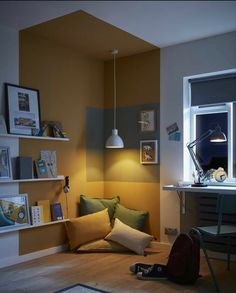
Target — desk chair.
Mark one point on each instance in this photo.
(226, 204)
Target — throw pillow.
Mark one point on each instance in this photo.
(102, 246)
(88, 228)
(90, 205)
(133, 218)
(131, 238)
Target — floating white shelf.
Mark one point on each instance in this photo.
(60, 177)
(33, 137)
(13, 229)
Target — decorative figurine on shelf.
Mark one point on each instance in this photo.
(220, 175)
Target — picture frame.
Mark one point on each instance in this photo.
(23, 109)
(147, 120)
(3, 127)
(148, 151)
(5, 163)
(14, 211)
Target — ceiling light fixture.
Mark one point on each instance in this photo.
(114, 141)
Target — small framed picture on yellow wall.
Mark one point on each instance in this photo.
(148, 151)
(147, 120)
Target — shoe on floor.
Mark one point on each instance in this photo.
(139, 267)
(155, 272)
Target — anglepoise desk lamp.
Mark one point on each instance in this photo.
(216, 135)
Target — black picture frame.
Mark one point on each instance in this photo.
(23, 109)
(148, 151)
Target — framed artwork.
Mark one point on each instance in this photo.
(14, 211)
(148, 152)
(23, 109)
(147, 120)
(3, 128)
(50, 159)
(5, 163)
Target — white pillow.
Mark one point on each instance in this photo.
(131, 238)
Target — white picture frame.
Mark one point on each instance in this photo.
(14, 211)
(3, 127)
(148, 151)
(147, 120)
(5, 163)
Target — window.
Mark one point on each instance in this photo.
(214, 110)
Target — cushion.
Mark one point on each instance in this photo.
(102, 246)
(133, 218)
(131, 238)
(88, 228)
(90, 205)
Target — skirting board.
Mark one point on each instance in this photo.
(9, 261)
(211, 254)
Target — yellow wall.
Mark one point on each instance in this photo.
(138, 82)
(68, 82)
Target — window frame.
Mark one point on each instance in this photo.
(189, 127)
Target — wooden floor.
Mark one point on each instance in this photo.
(105, 271)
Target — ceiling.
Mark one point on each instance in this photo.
(161, 23)
(89, 35)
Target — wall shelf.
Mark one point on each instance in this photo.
(58, 178)
(14, 229)
(33, 137)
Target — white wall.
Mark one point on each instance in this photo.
(9, 61)
(202, 56)
(9, 72)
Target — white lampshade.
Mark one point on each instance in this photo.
(114, 141)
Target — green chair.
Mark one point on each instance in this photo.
(226, 205)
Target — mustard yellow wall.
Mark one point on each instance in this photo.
(68, 82)
(138, 82)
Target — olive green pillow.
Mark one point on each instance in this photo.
(130, 217)
(90, 205)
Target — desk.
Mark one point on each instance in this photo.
(208, 189)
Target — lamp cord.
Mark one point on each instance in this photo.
(114, 88)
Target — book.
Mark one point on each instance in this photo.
(51, 162)
(46, 210)
(56, 211)
(36, 215)
(41, 169)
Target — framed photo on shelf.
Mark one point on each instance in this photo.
(51, 162)
(23, 109)
(148, 151)
(3, 128)
(56, 211)
(147, 120)
(5, 163)
(14, 211)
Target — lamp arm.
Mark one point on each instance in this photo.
(190, 147)
(195, 161)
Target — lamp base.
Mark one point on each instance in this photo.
(198, 185)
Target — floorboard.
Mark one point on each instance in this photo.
(107, 271)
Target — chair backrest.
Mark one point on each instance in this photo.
(226, 203)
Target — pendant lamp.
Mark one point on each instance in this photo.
(114, 141)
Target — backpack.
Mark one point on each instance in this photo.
(184, 260)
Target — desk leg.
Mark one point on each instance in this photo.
(181, 195)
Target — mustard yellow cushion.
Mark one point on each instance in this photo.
(88, 228)
(129, 237)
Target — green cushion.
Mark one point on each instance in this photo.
(90, 205)
(130, 217)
